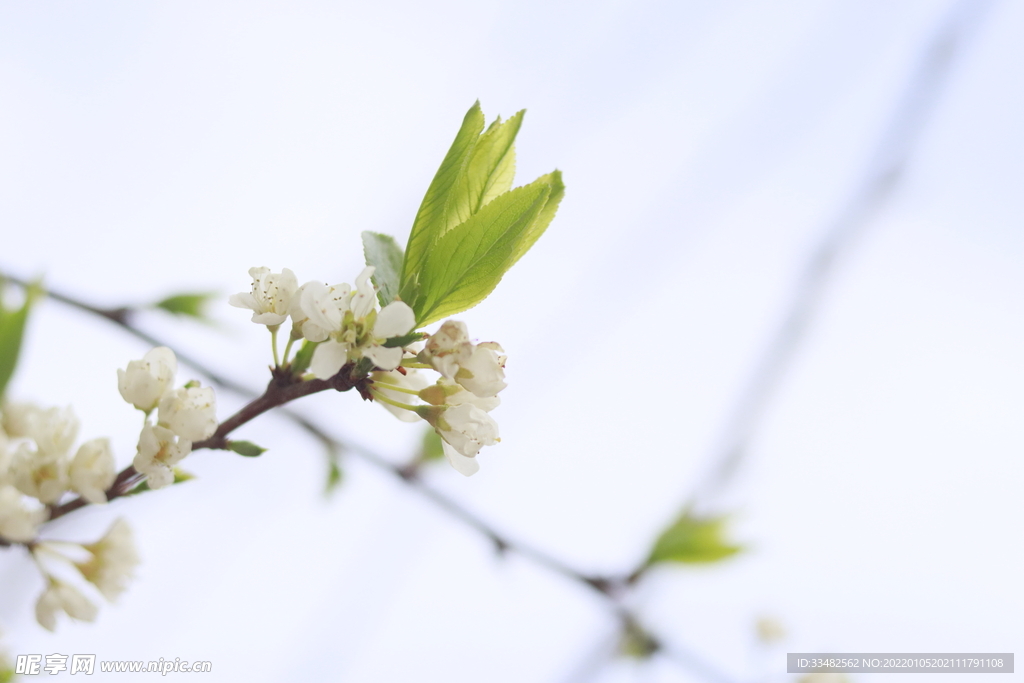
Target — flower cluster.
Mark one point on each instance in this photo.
(458, 404)
(37, 467)
(36, 471)
(107, 564)
(346, 326)
(184, 415)
(343, 320)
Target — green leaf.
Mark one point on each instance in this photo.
(431, 448)
(693, 540)
(404, 340)
(382, 252)
(192, 305)
(12, 331)
(334, 477)
(545, 217)
(467, 263)
(635, 642)
(303, 358)
(246, 448)
(489, 171)
(435, 214)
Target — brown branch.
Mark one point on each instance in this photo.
(280, 391)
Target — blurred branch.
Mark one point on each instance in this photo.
(882, 175)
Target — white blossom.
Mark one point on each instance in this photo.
(146, 380)
(38, 473)
(92, 470)
(62, 597)
(318, 309)
(466, 427)
(190, 412)
(448, 348)
(6, 453)
(271, 295)
(53, 430)
(480, 368)
(350, 327)
(159, 450)
(484, 372)
(17, 417)
(113, 560)
(18, 522)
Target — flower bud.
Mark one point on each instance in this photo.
(146, 380)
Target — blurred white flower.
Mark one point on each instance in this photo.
(271, 295)
(113, 560)
(6, 453)
(159, 450)
(18, 522)
(62, 597)
(189, 412)
(146, 380)
(53, 430)
(92, 470)
(38, 473)
(17, 417)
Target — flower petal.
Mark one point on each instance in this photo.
(462, 464)
(385, 359)
(328, 359)
(394, 320)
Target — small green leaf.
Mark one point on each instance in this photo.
(431, 448)
(334, 477)
(635, 642)
(693, 540)
(246, 448)
(303, 358)
(467, 263)
(435, 214)
(192, 305)
(382, 252)
(404, 340)
(12, 330)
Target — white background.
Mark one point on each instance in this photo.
(150, 148)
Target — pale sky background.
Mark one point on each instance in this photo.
(149, 148)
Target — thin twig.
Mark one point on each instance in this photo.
(276, 395)
(882, 175)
